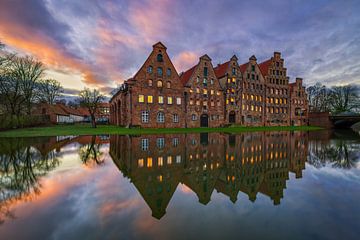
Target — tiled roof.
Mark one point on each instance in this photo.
(264, 67)
(243, 67)
(220, 70)
(184, 78)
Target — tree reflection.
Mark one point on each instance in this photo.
(21, 166)
(339, 153)
(90, 153)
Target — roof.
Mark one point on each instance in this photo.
(184, 78)
(243, 67)
(264, 67)
(221, 69)
(104, 104)
(70, 110)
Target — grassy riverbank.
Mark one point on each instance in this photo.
(84, 129)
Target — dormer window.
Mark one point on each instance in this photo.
(159, 58)
(233, 71)
(253, 68)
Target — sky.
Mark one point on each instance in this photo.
(99, 44)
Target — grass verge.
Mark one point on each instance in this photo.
(84, 129)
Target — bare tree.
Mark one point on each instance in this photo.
(49, 90)
(319, 98)
(344, 98)
(91, 99)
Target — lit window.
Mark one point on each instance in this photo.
(212, 92)
(198, 102)
(160, 161)
(169, 100)
(169, 160)
(150, 82)
(159, 83)
(161, 100)
(191, 102)
(218, 93)
(145, 144)
(168, 85)
(205, 91)
(160, 117)
(150, 99)
(141, 162)
(149, 162)
(175, 118)
(178, 101)
(141, 98)
(145, 116)
(197, 90)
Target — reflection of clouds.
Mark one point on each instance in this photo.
(352, 174)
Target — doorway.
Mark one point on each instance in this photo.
(204, 120)
(232, 117)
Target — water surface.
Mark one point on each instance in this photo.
(274, 185)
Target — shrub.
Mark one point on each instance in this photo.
(10, 122)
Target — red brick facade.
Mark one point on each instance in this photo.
(299, 107)
(250, 94)
(203, 95)
(253, 94)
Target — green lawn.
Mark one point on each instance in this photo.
(84, 129)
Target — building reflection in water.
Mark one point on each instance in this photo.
(247, 162)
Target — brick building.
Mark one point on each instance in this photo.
(251, 94)
(299, 107)
(204, 97)
(230, 79)
(277, 91)
(153, 97)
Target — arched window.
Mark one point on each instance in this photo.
(159, 57)
(150, 83)
(168, 85)
(168, 72)
(160, 117)
(160, 71)
(193, 117)
(159, 83)
(149, 69)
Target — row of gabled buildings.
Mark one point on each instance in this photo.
(248, 94)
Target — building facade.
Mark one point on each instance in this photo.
(253, 94)
(277, 91)
(299, 106)
(249, 94)
(230, 79)
(204, 97)
(153, 98)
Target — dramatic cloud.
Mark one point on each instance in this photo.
(101, 44)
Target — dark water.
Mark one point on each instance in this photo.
(273, 185)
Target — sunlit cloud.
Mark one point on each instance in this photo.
(101, 44)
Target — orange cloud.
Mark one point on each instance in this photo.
(47, 51)
(185, 60)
